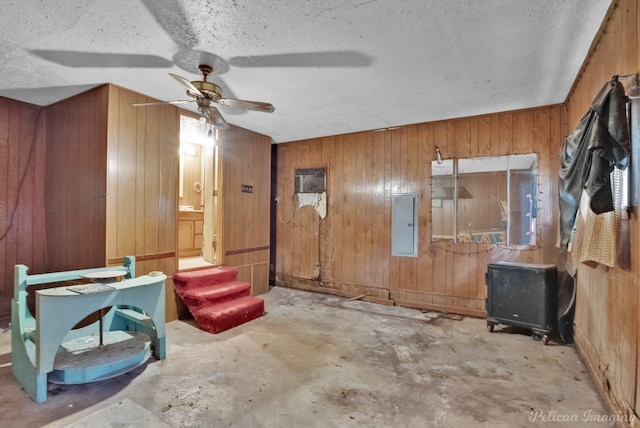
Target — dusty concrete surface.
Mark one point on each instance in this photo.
(317, 360)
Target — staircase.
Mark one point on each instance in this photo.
(216, 299)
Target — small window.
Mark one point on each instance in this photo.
(310, 180)
(404, 230)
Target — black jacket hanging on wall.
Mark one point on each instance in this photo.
(589, 154)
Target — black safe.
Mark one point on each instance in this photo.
(522, 295)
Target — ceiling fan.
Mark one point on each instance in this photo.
(206, 94)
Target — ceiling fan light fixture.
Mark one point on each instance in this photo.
(207, 94)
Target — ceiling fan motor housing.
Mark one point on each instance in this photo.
(208, 89)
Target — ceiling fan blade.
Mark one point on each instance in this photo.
(173, 19)
(161, 102)
(227, 93)
(79, 59)
(216, 119)
(339, 59)
(187, 85)
(246, 105)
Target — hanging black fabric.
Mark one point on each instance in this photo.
(599, 143)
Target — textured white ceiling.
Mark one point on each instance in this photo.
(328, 66)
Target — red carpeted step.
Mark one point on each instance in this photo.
(223, 316)
(204, 277)
(216, 299)
(216, 293)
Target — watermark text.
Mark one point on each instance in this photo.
(539, 415)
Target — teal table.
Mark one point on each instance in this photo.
(136, 305)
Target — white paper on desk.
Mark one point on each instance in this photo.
(90, 288)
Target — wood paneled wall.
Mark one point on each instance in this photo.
(142, 186)
(111, 185)
(245, 160)
(607, 321)
(22, 208)
(349, 251)
(76, 181)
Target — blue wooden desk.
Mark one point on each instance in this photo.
(137, 304)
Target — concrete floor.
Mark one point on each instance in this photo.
(318, 360)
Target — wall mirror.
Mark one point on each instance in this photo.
(489, 200)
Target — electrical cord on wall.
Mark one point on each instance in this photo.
(293, 200)
(23, 176)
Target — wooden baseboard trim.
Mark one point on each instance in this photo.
(361, 293)
(246, 250)
(143, 257)
(432, 293)
(442, 308)
(333, 291)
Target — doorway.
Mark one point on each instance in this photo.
(198, 202)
